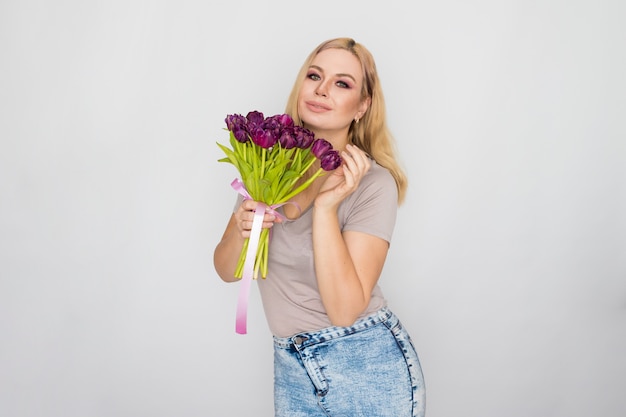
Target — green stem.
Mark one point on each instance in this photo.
(302, 187)
(265, 254)
(260, 259)
(284, 189)
(242, 259)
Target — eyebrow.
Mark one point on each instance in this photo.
(338, 75)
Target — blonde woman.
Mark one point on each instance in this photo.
(338, 348)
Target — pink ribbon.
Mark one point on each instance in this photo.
(253, 244)
(248, 265)
(238, 185)
(248, 269)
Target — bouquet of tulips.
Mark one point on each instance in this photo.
(272, 155)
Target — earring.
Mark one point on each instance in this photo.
(356, 120)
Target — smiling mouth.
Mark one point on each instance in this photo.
(317, 106)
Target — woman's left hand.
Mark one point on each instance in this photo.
(344, 180)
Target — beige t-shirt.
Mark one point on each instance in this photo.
(290, 295)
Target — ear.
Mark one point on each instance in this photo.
(363, 106)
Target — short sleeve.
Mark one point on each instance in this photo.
(373, 207)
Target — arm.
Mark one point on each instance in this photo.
(228, 250)
(347, 265)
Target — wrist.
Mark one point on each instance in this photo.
(322, 211)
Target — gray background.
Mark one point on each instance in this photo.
(509, 260)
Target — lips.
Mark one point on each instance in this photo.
(317, 107)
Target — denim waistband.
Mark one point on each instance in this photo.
(302, 340)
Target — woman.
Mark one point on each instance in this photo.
(338, 349)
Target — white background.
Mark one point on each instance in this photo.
(508, 264)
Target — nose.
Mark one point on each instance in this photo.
(321, 89)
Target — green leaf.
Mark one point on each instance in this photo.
(230, 156)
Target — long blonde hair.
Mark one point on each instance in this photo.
(371, 132)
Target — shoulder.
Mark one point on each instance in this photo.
(372, 207)
(379, 181)
(377, 191)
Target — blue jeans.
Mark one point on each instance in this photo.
(368, 369)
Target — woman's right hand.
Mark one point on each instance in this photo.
(244, 217)
(228, 250)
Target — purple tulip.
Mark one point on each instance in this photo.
(263, 138)
(235, 121)
(331, 160)
(320, 147)
(237, 124)
(272, 125)
(304, 137)
(255, 119)
(287, 139)
(241, 134)
(282, 121)
(285, 120)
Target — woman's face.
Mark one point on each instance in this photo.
(330, 97)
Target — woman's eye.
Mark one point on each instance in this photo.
(314, 76)
(343, 84)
